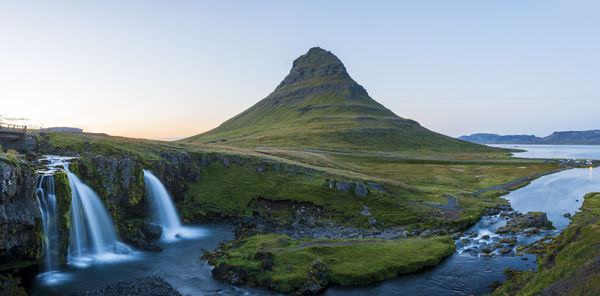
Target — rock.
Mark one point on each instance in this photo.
(343, 186)
(318, 278)
(485, 237)
(20, 219)
(145, 286)
(511, 241)
(152, 231)
(532, 222)
(426, 233)
(372, 221)
(376, 187)
(567, 215)
(226, 163)
(120, 248)
(361, 190)
(486, 250)
(365, 211)
(259, 169)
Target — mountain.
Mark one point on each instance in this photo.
(591, 137)
(483, 138)
(319, 106)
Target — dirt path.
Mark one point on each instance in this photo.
(412, 157)
(514, 184)
(451, 205)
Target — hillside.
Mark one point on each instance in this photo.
(319, 106)
(591, 137)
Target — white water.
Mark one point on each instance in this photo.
(92, 235)
(47, 205)
(163, 211)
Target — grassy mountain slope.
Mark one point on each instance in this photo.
(319, 106)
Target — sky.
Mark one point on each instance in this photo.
(163, 69)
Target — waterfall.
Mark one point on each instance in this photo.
(47, 205)
(163, 211)
(92, 235)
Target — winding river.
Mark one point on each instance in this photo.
(463, 273)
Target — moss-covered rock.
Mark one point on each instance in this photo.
(63, 205)
(119, 182)
(11, 286)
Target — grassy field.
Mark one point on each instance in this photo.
(291, 260)
(411, 184)
(570, 264)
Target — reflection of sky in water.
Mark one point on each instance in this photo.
(555, 151)
(556, 194)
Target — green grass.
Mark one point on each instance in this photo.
(235, 191)
(145, 151)
(372, 260)
(571, 264)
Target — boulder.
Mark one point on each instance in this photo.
(152, 231)
(344, 186)
(361, 190)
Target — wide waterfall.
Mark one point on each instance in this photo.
(163, 211)
(47, 205)
(92, 234)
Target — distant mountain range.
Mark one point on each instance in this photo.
(557, 138)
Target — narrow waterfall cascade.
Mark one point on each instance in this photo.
(163, 211)
(47, 205)
(92, 234)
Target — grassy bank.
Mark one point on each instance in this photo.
(285, 264)
(570, 263)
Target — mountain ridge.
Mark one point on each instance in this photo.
(589, 137)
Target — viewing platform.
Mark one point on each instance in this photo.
(15, 137)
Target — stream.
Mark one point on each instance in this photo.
(465, 272)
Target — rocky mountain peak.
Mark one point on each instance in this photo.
(317, 62)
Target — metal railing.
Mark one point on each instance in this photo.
(15, 127)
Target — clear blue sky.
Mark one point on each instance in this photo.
(177, 68)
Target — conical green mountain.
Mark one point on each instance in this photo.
(319, 106)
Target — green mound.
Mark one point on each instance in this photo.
(319, 106)
(285, 265)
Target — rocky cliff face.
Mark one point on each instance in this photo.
(20, 220)
(119, 182)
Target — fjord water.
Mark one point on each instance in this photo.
(556, 194)
(163, 210)
(554, 151)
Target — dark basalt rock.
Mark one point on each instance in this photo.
(20, 220)
(152, 231)
(532, 222)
